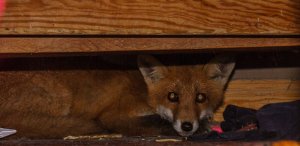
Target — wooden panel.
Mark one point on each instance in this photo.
(57, 44)
(151, 17)
(256, 93)
(269, 73)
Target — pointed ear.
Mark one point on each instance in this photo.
(220, 68)
(151, 69)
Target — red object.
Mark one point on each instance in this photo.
(216, 128)
(2, 7)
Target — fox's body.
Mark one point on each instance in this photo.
(53, 104)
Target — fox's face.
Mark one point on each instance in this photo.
(186, 95)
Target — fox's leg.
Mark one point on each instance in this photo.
(41, 126)
(142, 126)
(149, 125)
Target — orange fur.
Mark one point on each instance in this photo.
(54, 104)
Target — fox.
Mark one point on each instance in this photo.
(56, 103)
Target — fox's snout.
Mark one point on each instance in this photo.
(183, 126)
(186, 128)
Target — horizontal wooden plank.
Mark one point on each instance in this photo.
(155, 17)
(118, 44)
(269, 73)
(256, 93)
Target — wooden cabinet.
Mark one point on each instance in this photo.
(71, 27)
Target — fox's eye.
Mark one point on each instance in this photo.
(173, 97)
(201, 97)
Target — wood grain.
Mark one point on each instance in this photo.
(256, 93)
(154, 17)
(62, 44)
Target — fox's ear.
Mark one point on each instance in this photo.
(151, 69)
(220, 68)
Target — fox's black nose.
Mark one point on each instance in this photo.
(187, 126)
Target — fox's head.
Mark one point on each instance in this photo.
(186, 95)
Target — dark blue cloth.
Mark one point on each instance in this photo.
(282, 118)
(237, 117)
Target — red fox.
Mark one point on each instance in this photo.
(54, 104)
